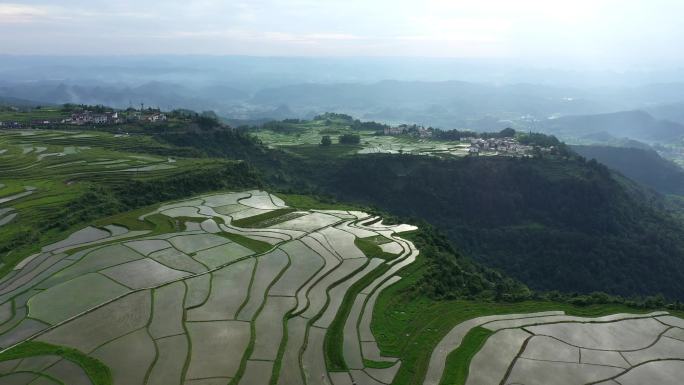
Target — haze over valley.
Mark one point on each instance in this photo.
(348, 192)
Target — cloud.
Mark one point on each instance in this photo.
(20, 13)
(504, 28)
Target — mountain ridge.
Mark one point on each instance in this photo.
(634, 124)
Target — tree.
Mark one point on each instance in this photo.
(325, 141)
(507, 133)
(349, 139)
(207, 122)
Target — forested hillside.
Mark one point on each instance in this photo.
(640, 165)
(554, 224)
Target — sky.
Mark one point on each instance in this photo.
(596, 34)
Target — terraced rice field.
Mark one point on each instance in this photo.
(43, 171)
(38, 155)
(553, 348)
(196, 306)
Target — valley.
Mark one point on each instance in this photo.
(341, 192)
(167, 227)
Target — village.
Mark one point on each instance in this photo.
(88, 117)
(501, 145)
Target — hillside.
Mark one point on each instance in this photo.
(553, 224)
(16, 102)
(637, 125)
(641, 165)
(673, 112)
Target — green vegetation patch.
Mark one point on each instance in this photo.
(334, 338)
(377, 240)
(98, 372)
(253, 244)
(378, 364)
(458, 362)
(371, 247)
(266, 219)
(129, 219)
(311, 202)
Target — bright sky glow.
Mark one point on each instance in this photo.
(595, 33)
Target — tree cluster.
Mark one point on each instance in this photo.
(349, 139)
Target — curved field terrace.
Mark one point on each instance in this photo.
(245, 290)
(553, 348)
(208, 303)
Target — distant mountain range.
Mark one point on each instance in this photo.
(637, 125)
(450, 104)
(673, 112)
(443, 104)
(17, 102)
(158, 94)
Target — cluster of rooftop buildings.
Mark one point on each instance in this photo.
(498, 145)
(88, 117)
(91, 118)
